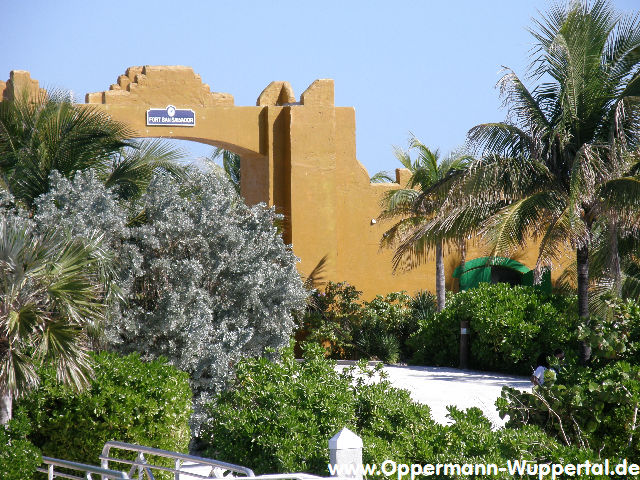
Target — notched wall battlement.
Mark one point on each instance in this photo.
(20, 83)
(155, 86)
(276, 93)
(319, 93)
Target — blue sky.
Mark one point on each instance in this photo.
(429, 67)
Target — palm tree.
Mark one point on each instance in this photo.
(230, 165)
(52, 290)
(557, 170)
(50, 133)
(614, 267)
(417, 204)
(132, 168)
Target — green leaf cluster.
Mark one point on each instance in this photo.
(19, 458)
(376, 329)
(616, 334)
(594, 406)
(129, 400)
(586, 408)
(509, 328)
(471, 439)
(279, 416)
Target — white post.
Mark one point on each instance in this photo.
(345, 452)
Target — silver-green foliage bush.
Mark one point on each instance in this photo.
(206, 279)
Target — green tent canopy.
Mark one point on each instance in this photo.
(498, 270)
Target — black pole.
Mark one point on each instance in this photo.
(464, 344)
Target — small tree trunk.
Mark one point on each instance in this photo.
(6, 406)
(582, 260)
(440, 288)
(615, 259)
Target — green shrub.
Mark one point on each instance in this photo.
(332, 319)
(128, 400)
(471, 440)
(586, 407)
(351, 329)
(614, 336)
(509, 328)
(19, 458)
(279, 416)
(423, 307)
(593, 406)
(375, 342)
(392, 316)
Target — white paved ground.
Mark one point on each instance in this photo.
(441, 386)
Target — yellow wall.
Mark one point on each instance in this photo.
(297, 155)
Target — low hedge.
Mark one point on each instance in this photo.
(146, 403)
(509, 328)
(19, 458)
(278, 416)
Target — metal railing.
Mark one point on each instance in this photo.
(50, 465)
(144, 469)
(185, 467)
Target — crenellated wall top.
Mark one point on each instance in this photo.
(159, 85)
(20, 83)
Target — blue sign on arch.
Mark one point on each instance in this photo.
(171, 117)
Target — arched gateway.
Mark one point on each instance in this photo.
(299, 155)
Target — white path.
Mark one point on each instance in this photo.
(440, 386)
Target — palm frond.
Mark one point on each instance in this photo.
(621, 195)
(52, 293)
(503, 139)
(132, 170)
(230, 165)
(382, 176)
(50, 133)
(520, 222)
(404, 157)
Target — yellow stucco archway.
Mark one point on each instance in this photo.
(299, 155)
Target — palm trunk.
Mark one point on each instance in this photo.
(616, 272)
(462, 247)
(6, 406)
(582, 260)
(440, 288)
(463, 253)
